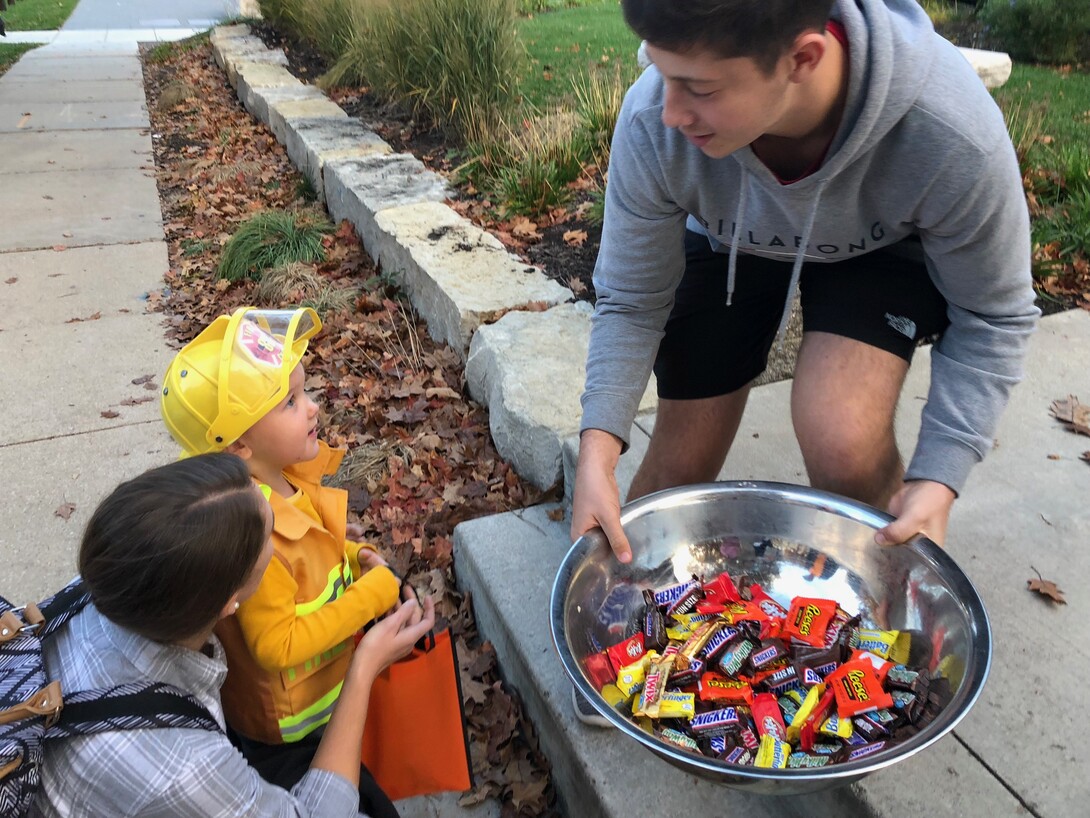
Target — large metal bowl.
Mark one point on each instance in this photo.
(776, 533)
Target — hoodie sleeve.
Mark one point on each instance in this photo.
(640, 262)
(975, 232)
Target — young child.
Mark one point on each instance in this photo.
(164, 557)
(238, 387)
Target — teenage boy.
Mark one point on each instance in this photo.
(766, 134)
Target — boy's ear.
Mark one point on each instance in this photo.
(806, 54)
(240, 449)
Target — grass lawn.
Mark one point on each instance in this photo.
(1064, 97)
(10, 52)
(38, 15)
(566, 43)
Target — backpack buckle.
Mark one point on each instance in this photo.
(16, 621)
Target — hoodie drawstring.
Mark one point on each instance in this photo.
(732, 264)
(796, 270)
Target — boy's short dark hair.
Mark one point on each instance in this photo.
(165, 551)
(760, 29)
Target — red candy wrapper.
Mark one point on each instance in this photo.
(857, 688)
(626, 652)
(717, 688)
(736, 612)
(721, 590)
(776, 612)
(808, 733)
(808, 620)
(768, 717)
(882, 667)
(600, 670)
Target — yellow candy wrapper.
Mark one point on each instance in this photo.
(631, 677)
(772, 753)
(899, 653)
(809, 704)
(838, 727)
(677, 705)
(879, 642)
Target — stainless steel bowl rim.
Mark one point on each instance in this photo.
(788, 493)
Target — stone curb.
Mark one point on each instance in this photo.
(458, 276)
(522, 367)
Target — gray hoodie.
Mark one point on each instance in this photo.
(922, 150)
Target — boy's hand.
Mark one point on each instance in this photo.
(596, 499)
(921, 507)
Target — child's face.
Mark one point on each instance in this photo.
(721, 105)
(288, 434)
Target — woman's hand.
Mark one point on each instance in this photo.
(393, 637)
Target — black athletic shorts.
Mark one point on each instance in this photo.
(884, 298)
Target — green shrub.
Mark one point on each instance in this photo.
(273, 238)
(449, 61)
(1049, 31)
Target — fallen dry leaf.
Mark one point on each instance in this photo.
(1085, 456)
(556, 514)
(92, 317)
(11, 280)
(64, 510)
(110, 414)
(1072, 414)
(59, 248)
(1046, 588)
(137, 401)
(1054, 457)
(141, 379)
(575, 238)
(523, 228)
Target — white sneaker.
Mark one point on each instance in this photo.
(585, 712)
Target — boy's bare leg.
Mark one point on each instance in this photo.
(690, 442)
(843, 401)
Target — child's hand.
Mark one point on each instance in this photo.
(392, 638)
(369, 559)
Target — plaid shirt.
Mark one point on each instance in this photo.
(165, 773)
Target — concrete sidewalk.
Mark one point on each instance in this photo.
(81, 243)
(1027, 505)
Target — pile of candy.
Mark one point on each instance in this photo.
(723, 669)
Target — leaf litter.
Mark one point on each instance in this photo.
(420, 458)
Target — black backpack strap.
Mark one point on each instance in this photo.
(134, 706)
(63, 605)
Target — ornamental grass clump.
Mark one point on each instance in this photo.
(598, 98)
(449, 62)
(273, 238)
